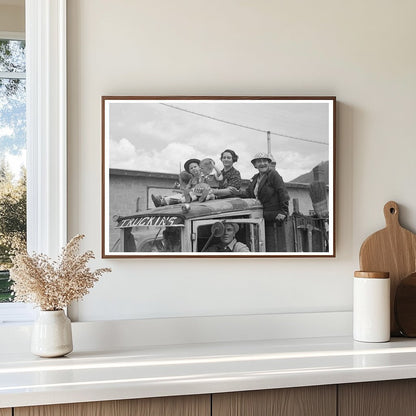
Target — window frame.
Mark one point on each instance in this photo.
(12, 36)
(46, 117)
(46, 125)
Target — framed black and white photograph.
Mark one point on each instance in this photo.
(218, 176)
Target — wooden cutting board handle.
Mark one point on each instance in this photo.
(391, 214)
(393, 250)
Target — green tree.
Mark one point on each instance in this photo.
(12, 214)
(12, 59)
(12, 96)
(12, 142)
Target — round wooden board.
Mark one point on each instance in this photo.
(405, 306)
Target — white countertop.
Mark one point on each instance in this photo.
(148, 371)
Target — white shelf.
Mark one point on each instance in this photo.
(150, 371)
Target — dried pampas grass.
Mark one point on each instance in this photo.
(53, 285)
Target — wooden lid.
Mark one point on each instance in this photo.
(372, 275)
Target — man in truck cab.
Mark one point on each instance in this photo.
(228, 241)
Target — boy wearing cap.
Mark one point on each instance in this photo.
(192, 191)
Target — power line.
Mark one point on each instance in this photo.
(244, 126)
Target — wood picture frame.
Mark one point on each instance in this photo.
(227, 176)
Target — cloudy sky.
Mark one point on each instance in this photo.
(154, 136)
(13, 106)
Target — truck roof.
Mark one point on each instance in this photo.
(175, 215)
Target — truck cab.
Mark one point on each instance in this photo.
(191, 228)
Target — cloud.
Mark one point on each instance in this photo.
(15, 162)
(124, 155)
(293, 164)
(162, 130)
(171, 158)
(158, 138)
(5, 131)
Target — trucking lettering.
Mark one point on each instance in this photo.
(149, 221)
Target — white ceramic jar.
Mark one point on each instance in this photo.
(371, 306)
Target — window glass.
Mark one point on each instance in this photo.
(150, 239)
(12, 55)
(12, 156)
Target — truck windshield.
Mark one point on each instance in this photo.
(246, 232)
(155, 239)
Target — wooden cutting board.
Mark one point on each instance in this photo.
(393, 250)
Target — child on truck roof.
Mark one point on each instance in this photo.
(195, 189)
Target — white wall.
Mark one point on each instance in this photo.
(12, 17)
(363, 52)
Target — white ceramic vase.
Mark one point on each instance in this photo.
(52, 334)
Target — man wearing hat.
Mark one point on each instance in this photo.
(268, 187)
(228, 242)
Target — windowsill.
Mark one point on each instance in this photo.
(132, 333)
(151, 371)
(16, 313)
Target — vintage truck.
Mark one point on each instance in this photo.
(193, 227)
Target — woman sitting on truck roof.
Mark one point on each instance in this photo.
(231, 183)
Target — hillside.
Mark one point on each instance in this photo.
(308, 177)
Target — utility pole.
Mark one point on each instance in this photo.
(269, 144)
(269, 150)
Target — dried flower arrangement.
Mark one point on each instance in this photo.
(52, 285)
